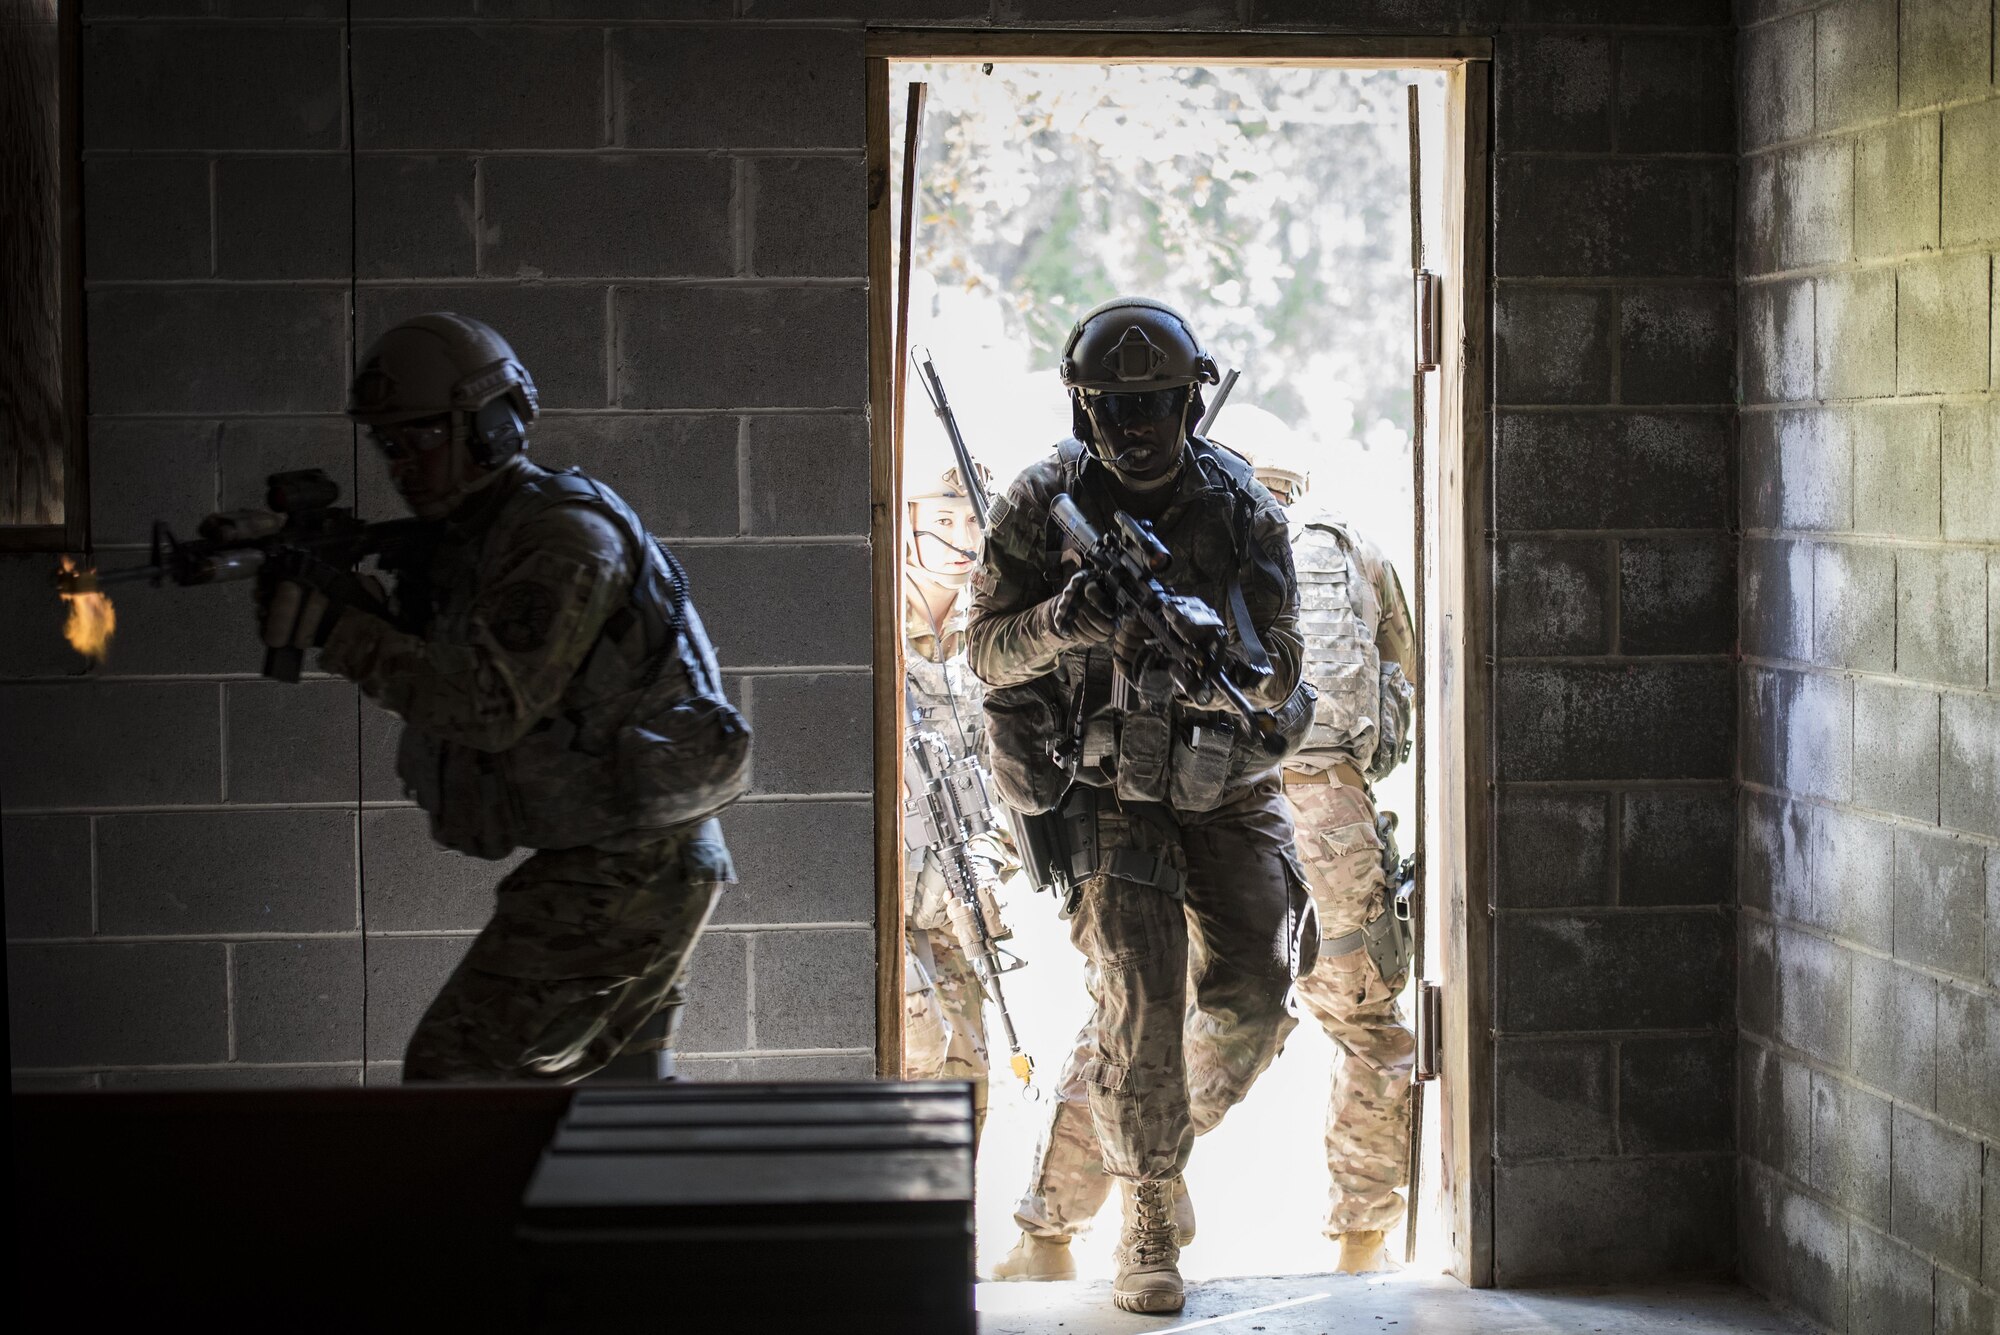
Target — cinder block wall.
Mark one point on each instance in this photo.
(1870, 599)
(662, 204)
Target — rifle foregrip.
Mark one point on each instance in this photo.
(1070, 519)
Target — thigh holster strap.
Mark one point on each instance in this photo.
(1154, 869)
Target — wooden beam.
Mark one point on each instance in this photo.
(1203, 48)
(885, 510)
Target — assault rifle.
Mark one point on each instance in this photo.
(948, 807)
(1189, 640)
(303, 536)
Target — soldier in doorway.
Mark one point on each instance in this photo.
(1194, 913)
(944, 1015)
(559, 695)
(1360, 654)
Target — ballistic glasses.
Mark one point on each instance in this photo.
(1153, 405)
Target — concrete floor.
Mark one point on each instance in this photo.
(1400, 1304)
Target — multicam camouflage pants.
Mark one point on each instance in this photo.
(944, 1024)
(584, 946)
(1367, 1132)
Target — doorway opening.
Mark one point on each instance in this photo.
(1269, 199)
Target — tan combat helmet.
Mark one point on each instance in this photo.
(442, 363)
(1278, 457)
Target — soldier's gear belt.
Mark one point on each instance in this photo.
(1342, 773)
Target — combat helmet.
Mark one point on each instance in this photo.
(443, 363)
(1281, 460)
(1129, 345)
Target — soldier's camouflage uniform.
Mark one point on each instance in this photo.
(944, 1012)
(549, 703)
(1360, 650)
(1198, 815)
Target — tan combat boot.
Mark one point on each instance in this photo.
(1361, 1253)
(1183, 1212)
(1037, 1258)
(1148, 1278)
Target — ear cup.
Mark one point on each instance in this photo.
(497, 433)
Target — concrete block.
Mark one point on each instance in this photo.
(1896, 468)
(782, 605)
(1939, 632)
(1759, 209)
(1891, 1284)
(808, 217)
(1971, 167)
(1777, 341)
(291, 743)
(1896, 749)
(807, 475)
(95, 744)
(206, 628)
(813, 733)
(1677, 345)
(458, 87)
(1607, 1218)
(1854, 606)
(1968, 1044)
(683, 88)
(297, 1001)
(47, 873)
(1553, 345)
(801, 862)
(1777, 81)
(1971, 467)
(1614, 217)
(559, 333)
(1759, 1261)
(218, 350)
(1554, 1100)
(1552, 90)
(1854, 334)
(695, 347)
(1941, 902)
(1815, 453)
(200, 873)
(1853, 875)
(409, 884)
(1676, 94)
(1815, 197)
(209, 87)
(249, 451)
(678, 472)
(1991, 1274)
(1652, 721)
(1775, 617)
(106, 1005)
(413, 216)
(237, 1077)
(942, 11)
(815, 989)
(1813, 1003)
(1179, 13)
(1614, 971)
(1811, 1246)
(1775, 871)
(1677, 847)
(1553, 596)
(1993, 618)
(1941, 325)
(1756, 977)
(1774, 1100)
(284, 217)
(718, 994)
(605, 9)
(146, 470)
(1896, 188)
(1612, 470)
(1553, 849)
(1960, 1309)
(1945, 50)
(1895, 1029)
(145, 218)
(1850, 1147)
(404, 974)
(381, 734)
(1855, 66)
(649, 217)
(1935, 1201)
(1798, 733)
(1677, 595)
(834, 1066)
(1969, 763)
(1675, 1095)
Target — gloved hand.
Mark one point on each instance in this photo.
(1128, 642)
(297, 616)
(1083, 612)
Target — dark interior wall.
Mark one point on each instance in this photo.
(1870, 875)
(665, 215)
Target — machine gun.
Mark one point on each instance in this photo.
(303, 536)
(948, 807)
(1189, 640)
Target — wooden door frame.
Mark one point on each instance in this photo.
(1457, 767)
